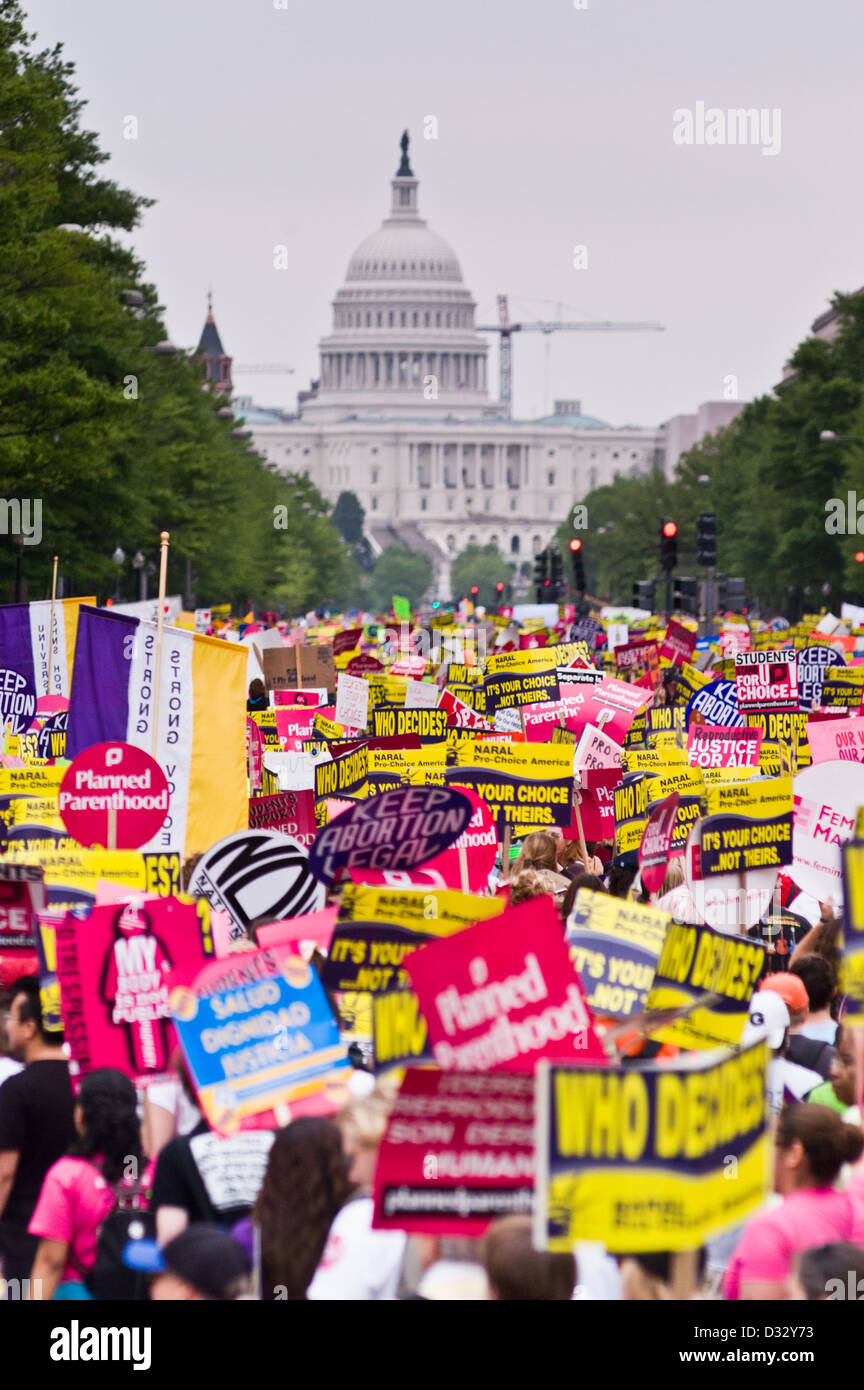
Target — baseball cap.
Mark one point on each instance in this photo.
(791, 989)
(768, 1021)
(211, 1261)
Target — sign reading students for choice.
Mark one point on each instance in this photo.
(396, 830)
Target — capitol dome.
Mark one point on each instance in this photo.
(403, 342)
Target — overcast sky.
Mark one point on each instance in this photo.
(260, 126)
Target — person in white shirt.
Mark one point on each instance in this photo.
(359, 1263)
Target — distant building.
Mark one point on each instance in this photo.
(217, 363)
(401, 414)
(683, 431)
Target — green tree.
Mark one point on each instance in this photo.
(484, 566)
(348, 517)
(398, 571)
(115, 438)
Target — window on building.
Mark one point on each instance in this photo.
(368, 320)
(390, 319)
(449, 504)
(551, 504)
(513, 502)
(374, 475)
(550, 478)
(377, 320)
(375, 450)
(437, 320)
(373, 502)
(448, 320)
(514, 545)
(592, 478)
(423, 501)
(402, 319)
(414, 321)
(305, 451)
(615, 454)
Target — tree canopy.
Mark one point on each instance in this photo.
(116, 440)
(768, 477)
(483, 566)
(396, 571)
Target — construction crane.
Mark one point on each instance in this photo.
(505, 329)
(247, 367)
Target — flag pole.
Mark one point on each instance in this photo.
(51, 629)
(163, 575)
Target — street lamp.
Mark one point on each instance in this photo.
(829, 437)
(119, 558)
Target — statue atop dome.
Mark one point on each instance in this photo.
(404, 171)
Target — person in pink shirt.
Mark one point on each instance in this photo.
(811, 1145)
(81, 1189)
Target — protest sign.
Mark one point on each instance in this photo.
(842, 688)
(458, 1152)
(389, 768)
(766, 680)
(421, 694)
(22, 896)
(717, 973)
(113, 969)
(399, 1032)
(502, 994)
(114, 795)
(257, 873)
(368, 956)
(438, 911)
(398, 829)
(292, 813)
(852, 957)
(352, 701)
(631, 812)
(299, 668)
(827, 797)
(614, 946)
(515, 689)
(840, 740)
(466, 864)
(343, 775)
(679, 643)
(430, 725)
(715, 703)
(595, 751)
(539, 659)
(611, 706)
(257, 1032)
(459, 714)
(813, 665)
(656, 843)
(313, 929)
(363, 665)
(524, 785)
(638, 659)
(639, 1160)
(716, 745)
(732, 844)
(347, 640)
(596, 803)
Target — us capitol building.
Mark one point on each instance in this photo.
(401, 414)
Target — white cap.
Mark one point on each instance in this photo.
(769, 1019)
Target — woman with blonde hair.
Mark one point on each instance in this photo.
(538, 851)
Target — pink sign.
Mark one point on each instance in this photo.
(503, 994)
(612, 706)
(836, 740)
(722, 745)
(597, 805)
(113, 970)
(679, 643)
(315, 928)
(656, 843)
(292, 726)
(113, 795)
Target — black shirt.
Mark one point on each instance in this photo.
(257, 702)
(213, 1178)
(36, 1122)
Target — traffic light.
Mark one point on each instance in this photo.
(731, 595)
(706, 539)
(578, 566)
(669, 544)
(499, 587)
(556, 574)
(685, 595)
(474, 590)
(643, 594)
(540, 579)
(859, 556)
